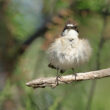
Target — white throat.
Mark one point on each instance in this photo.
(70, 33)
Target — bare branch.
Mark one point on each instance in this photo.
(51, 81)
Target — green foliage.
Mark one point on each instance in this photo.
(5, 94)
(33, 63)
(54, 6)
(61, 4)
(93, 5)
(56, 104)
(25, 17)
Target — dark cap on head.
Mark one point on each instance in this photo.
(71, 25)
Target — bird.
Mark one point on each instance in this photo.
(68, 51)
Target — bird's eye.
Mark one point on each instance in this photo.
(75, 27)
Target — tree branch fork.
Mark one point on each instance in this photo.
(51, 81)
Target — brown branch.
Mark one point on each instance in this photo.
(51, 81)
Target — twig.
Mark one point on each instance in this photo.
(51, 81)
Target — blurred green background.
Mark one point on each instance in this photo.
(27, 27)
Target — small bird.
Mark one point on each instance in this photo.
(68, 51)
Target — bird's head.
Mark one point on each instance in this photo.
(70, 29)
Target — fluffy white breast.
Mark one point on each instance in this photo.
(67, 54)
(70, 33)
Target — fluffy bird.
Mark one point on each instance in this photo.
(68, 51)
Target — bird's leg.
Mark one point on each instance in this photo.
(62, 71)
(57, 76)
(75, 74)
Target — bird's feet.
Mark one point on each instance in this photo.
(75, 75)
(58, 76)
(57, 79)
